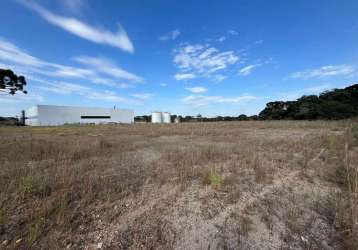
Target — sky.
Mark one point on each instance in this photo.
(185, 57)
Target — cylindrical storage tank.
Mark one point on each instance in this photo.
(166, 117)
(157, 117)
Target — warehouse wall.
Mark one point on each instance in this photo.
(32, 117)
(48, 115)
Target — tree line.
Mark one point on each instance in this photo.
(199, 118)
(330, 105)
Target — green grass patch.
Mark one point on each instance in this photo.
(331, 142)
(31, 186)
(213, 179)
(3, 216)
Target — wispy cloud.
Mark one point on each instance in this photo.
(107, 67)
(108, 96)
(10, 52)
(222, 38)
(201, 100)
(74, 6)
(184, 76)
(20, 98)
(326, 71)
(163, 84)
(60, 87)
(317, 88)
(172, 35)
(218, 77)
(83, 30)
(66, 88)
(202, 60)
(143, 96)
(313, 90)
(197, 89)
(98, 70)
(233, 32)
(248, 69)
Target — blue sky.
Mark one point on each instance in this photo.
(185, 57)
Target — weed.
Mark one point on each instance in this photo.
(338, 209)
(332, 142)
(292, 216)
(213, 179)
(3, 216)
(61, 208)
(35, 230)
(340, 175)
(29, 186)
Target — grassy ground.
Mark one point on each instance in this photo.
(233, 185)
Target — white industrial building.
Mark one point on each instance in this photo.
(49, 115)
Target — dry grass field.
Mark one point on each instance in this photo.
(225, 185)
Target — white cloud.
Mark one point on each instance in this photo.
(201, 100)
(108, 96)
(98, 70)
(317, 88)
(202, 60)
(248, 69)
(20, 98)
(313, 90)
(75, 6)
(326, 71)
(219, 78)
(222, 38)
(184, 76)
(171, 35)
(10, 52)
(163, 84)
(66, 88)
(175, 34)
(143, 96)
(124, 85)
(107, 67)
(83, 30)
(71, 72)
(91, 75)
(63, 88)
(233, 32)
(197, 89)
